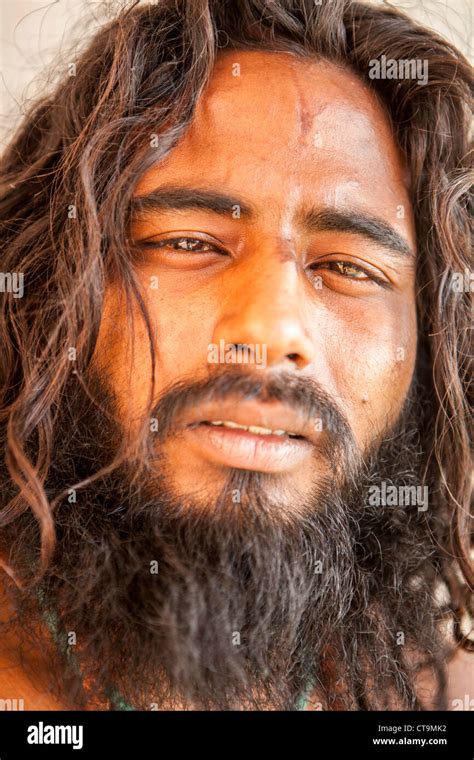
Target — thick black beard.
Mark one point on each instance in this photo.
(232, 607)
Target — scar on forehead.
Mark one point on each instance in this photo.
(306, 112)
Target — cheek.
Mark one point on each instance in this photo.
(182, 328)
(122, 353)
(373, 358)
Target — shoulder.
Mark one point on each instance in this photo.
(19, 689)
(459, 685)
(461, 681)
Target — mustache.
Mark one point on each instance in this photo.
(302, 394)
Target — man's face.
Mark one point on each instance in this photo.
(305, 296)
(313, 284)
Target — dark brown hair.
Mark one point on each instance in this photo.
(68, 174)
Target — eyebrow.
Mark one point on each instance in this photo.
(315, 219)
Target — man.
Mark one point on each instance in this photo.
(234, 390)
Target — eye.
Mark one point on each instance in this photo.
(344, 268)
(350, 271)
(182, 245)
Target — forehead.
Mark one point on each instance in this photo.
(281, 127)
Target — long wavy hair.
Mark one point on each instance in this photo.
(67, 178)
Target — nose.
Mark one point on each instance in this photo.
(264, 309)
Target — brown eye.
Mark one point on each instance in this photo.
(183, 245)
(346, 269)
(351, 272)
(189, 244)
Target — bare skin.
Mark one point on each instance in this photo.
(273, 283)
(330, 305)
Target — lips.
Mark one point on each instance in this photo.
(265, 437)
(255, 429)
(259, 418)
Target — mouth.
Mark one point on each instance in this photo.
(277, 446)
(254, 429)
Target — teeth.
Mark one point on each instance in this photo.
(251, 428)
(260, 430)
